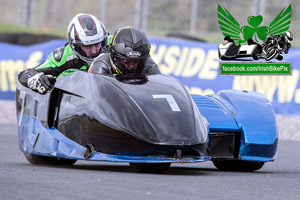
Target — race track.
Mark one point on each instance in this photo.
(98, 180)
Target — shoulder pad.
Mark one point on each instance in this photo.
(151, 67)
(58, 53)
(100, 65)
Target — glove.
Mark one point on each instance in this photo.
(41, 83)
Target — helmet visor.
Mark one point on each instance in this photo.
(130, 64)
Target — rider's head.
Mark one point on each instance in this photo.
(289, 36)
(128, 50)
(86, 35)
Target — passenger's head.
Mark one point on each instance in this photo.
(128, 50)
(86, 35)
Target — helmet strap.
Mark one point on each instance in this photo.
(114, 67)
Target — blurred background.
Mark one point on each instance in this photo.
(158, 18)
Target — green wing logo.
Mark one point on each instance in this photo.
(282, 22)
(230, 27)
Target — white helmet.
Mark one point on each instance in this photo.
(85, 29)
(289, 36)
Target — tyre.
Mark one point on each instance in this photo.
(271, 53)
(255, 57)
(237, 165)
(279, 57)
(45, 160)
(150, 167)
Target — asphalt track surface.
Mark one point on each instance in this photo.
(100, 180)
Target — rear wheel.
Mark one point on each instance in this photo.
(45, 160)
(237, 165)
(150, 167)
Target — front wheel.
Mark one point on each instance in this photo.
(271, 53)
(150, 167)
(45, 160)
(255, 57)
(238, 165)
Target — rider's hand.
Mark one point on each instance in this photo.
(41, 83)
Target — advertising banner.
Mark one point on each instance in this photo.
(195, 64)
(16, 58)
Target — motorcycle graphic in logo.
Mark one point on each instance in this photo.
(263, 42)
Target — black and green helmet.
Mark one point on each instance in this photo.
(130, 44)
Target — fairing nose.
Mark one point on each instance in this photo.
(157, 111)
(162, 112)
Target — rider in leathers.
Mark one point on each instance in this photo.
(279, 43)
(87, 38)
(128, 54)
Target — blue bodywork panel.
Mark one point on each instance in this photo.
(36, 138)
(218, 116)
(247, 112)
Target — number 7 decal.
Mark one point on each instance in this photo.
(170, 99)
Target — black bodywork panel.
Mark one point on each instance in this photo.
(119, 114)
